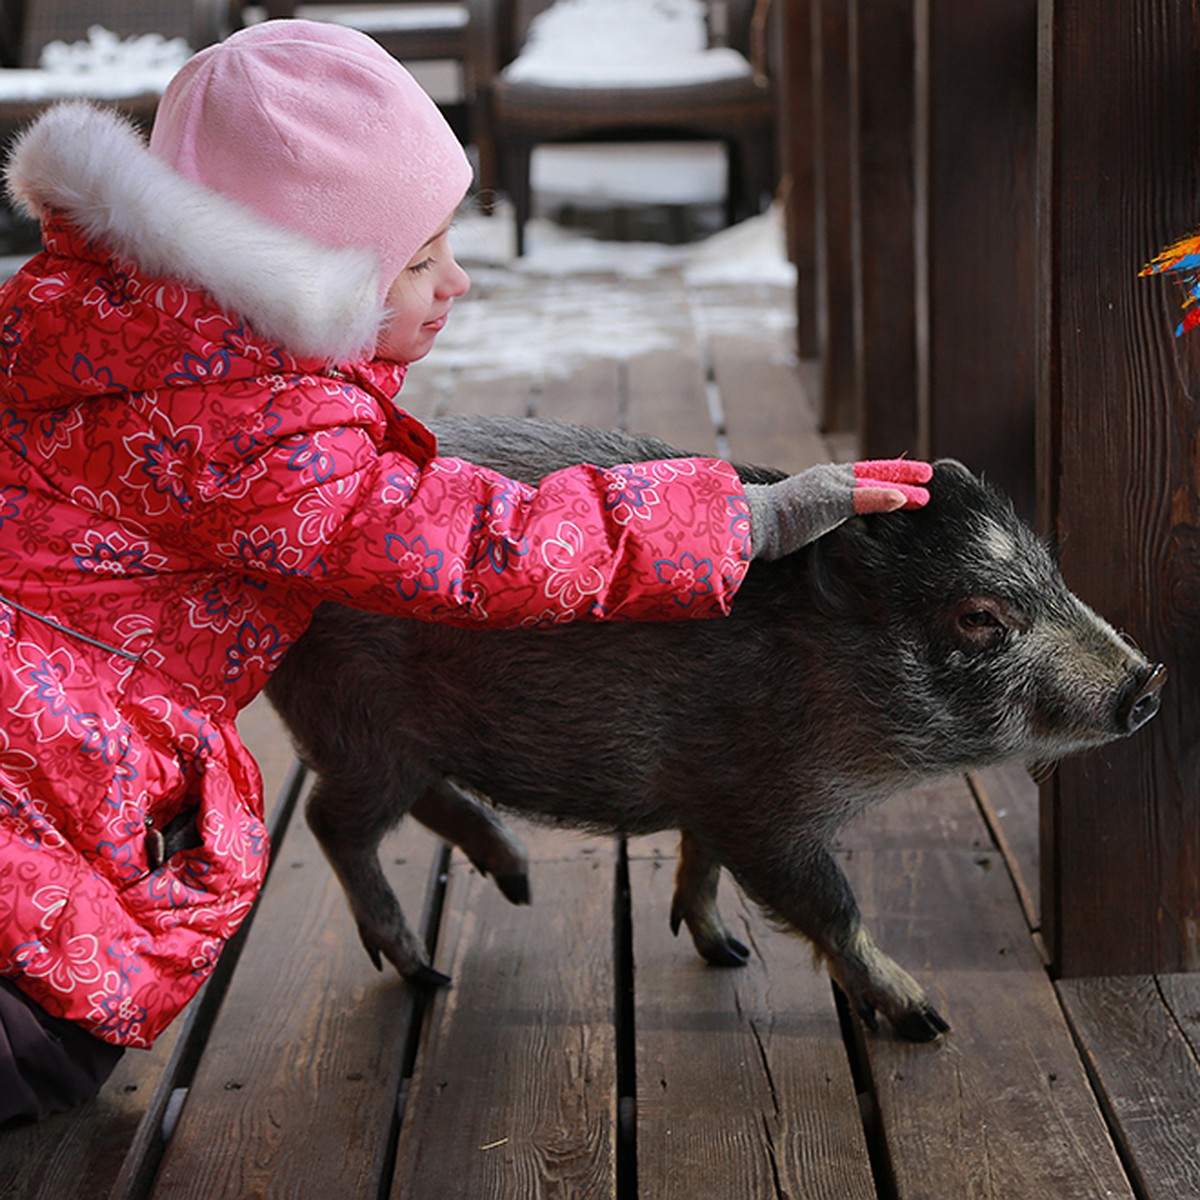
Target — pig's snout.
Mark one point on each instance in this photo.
(1141, 699)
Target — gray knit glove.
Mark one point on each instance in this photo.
(795, 511)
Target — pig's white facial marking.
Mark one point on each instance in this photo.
(997, 541)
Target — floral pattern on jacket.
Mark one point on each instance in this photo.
(176, 496)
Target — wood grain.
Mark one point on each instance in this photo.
(514, 1092)
(666, 398)
(1146, 1072)
(308, 1048)
(793, 66)
(743, 1087)
(588, 395)
(1120, 412)
(999, 1107)
(1008, 800)
(768, 415)
(833, 149)
(976, 226)
(884, 224)
(114, 1141)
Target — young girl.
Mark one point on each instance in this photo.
(198, 444)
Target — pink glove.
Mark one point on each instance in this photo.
(795, 511)
(886, 484)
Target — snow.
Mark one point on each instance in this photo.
(597, 174)
(570, 296)
(388, 18)
(750, 252)
(104, 66)
(614, 43)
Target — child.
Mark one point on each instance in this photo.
(198, 444)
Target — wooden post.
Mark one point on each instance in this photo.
(1119, 464)
(975, 198)
(881, 65)
(832, 152)
(792, 70)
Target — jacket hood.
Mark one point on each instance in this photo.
(94, 166)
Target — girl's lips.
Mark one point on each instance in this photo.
(437, 325)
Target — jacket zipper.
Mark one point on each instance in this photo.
(83, 637)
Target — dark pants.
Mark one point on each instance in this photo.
(46, 1064)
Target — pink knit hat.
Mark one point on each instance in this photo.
(316, 127)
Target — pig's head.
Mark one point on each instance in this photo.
(986, 653)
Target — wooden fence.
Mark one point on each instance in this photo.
(974, 188)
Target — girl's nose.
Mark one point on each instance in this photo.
(457, 281)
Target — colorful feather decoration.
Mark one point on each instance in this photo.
(1183, 260)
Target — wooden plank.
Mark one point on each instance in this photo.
(1008, 800)
(266, 737)
(493, 396)
(90, 1143)
(976, 227)
(884, 228)
(423, 392)
(1146, 1073)
(590, 394)
(1001, 1106)
(743, 1087)
(514, 1092)
(114, 1140)
(667, 398)
(768, 419)
(1120, 408)
(1182, 995)
(308, 1048)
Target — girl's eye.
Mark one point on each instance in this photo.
(423, 265)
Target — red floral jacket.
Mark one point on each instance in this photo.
(177, 494)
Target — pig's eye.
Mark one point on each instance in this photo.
(979, 618)
(983, 621)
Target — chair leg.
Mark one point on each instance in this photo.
(733, 181)
(488, 177)
(516, 170)
(749, 176)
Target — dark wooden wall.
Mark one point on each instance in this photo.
(1011, 164)
(883, 93)
(1119, 450)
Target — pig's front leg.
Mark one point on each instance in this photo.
(811, 893)
(349, 831)
(695, 905)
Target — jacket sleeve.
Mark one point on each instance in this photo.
(364, 519)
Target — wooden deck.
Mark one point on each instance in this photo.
(584, 1052)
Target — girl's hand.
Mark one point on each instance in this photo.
(795, 511)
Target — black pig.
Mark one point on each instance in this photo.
(894, 649)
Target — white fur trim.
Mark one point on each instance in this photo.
(93, 165)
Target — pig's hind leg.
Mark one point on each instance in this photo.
(455, 815)
(695, 905)
(349, 826)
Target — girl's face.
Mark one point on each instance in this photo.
(420, 299)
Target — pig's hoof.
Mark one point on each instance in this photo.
(726, 952)
(921, 1026)
(515, 888)
(427, 979)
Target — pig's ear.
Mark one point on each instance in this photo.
(840, 573)
(950, 477)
